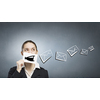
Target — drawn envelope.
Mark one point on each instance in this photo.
(84, 52)
(30, 58)
(73, 50)
(61, 56)
(91, 48)
(45, 56)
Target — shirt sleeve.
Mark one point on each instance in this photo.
(46, 76)
(13, 73)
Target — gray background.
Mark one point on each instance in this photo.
(57, 36)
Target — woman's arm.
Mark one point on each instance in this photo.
(46, 75)
(13, 73)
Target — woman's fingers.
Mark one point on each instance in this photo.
(20, 63)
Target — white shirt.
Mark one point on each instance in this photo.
(26, 72)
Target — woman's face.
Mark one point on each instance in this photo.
(29, 48)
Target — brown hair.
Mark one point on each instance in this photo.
(30, 42)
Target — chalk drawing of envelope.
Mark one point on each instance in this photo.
(84, 52)
(73, 50)
(61, 56)
(91, 48)
(45, 56)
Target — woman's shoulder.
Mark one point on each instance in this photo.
(42, 69)
(13, 68)
(44, 72)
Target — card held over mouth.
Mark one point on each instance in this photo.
(29, 57)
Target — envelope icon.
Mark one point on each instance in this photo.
(84, 52)
(61, 56)
(91, 48)
(45, 56)
(73, 50)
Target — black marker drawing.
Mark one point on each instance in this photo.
(30, 58)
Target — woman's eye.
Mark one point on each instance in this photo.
(33, 49)
(26, 49)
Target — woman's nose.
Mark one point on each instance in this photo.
(29, 51)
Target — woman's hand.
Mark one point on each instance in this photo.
(20, 63)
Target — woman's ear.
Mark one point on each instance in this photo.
(22, 53)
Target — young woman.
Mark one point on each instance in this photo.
(28, 70)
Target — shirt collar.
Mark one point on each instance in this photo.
(37, 66)
(27, 74)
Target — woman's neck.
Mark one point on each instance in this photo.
(29, 66)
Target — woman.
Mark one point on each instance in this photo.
(28, 70)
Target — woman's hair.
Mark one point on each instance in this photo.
(30, 42)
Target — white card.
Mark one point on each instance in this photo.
(30, 58)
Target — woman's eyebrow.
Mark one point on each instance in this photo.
(33, 47)
(25, 48)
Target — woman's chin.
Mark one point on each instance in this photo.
(27, 63)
